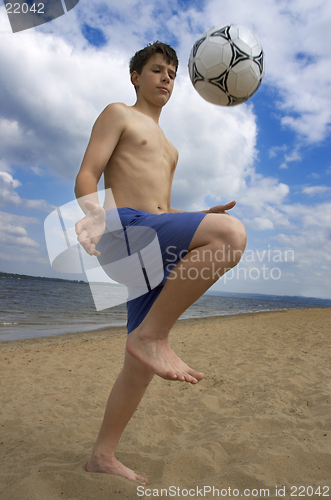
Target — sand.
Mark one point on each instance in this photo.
(260, 420)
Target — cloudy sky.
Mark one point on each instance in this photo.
(271, 154)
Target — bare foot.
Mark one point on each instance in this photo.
(160, 358)
(110, 465)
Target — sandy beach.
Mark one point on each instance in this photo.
(260, 420)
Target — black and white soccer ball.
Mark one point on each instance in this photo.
(226, 65)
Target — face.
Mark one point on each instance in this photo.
(156, 81)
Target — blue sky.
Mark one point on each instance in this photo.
(272, 154)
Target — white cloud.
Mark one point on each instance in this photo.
(315, 215)
(47, 120)
(25, 241)
(217, 147)
(311, 240)
(287, 30)
(49, 103)
(6, 218)
(4, 166)
(67, 82)
(308, 239)
(8, 195)
(264, 191)
(304, 234)
(11, 229)
(7, 179)
(217, 152)
(259, 223)
(275, 150)
(294, 156)
(316, 190)
(7, 186)
(13, 233)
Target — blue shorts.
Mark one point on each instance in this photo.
(174, 233)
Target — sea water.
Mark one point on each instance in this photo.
(36, 307)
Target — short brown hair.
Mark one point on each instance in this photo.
(141, 57)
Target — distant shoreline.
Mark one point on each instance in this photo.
(32, 307)
(113, 330)
(26, 276)
(213, 293)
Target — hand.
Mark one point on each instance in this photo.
(90, 229)
(221, 209)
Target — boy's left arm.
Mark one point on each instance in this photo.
(218, 209)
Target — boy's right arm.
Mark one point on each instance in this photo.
(105, 135)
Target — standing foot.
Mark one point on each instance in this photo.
(110, 465)
(160, 358)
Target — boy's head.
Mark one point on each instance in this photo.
(141, 57)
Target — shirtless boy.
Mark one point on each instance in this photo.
(128, 146)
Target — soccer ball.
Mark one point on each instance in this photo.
(226, 65)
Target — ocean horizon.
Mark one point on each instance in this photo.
(33, 307)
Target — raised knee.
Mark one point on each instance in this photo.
(238, 240)
(240, 234)
(235, 239)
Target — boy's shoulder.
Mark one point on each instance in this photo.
(118, 112)
(115, 109)
(116, 115)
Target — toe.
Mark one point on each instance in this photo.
(171, 376)
(142, 478)
(191, 379)
(196, 375)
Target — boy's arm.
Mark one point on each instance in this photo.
(105, 135)
(219, 209)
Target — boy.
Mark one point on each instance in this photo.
(138, 162)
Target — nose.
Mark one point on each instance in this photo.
(165, 76)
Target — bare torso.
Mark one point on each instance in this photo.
(140, 169)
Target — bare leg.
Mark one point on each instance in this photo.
(124, 398)
(149, 341)
(149, 345)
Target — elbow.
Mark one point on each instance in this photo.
(81, 185)
(85, 184)
(76, 187)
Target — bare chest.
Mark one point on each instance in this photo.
(148, 142)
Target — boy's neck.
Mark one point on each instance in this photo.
(148, 109)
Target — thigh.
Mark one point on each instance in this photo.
(215, 227)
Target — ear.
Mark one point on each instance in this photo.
(135, 78)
